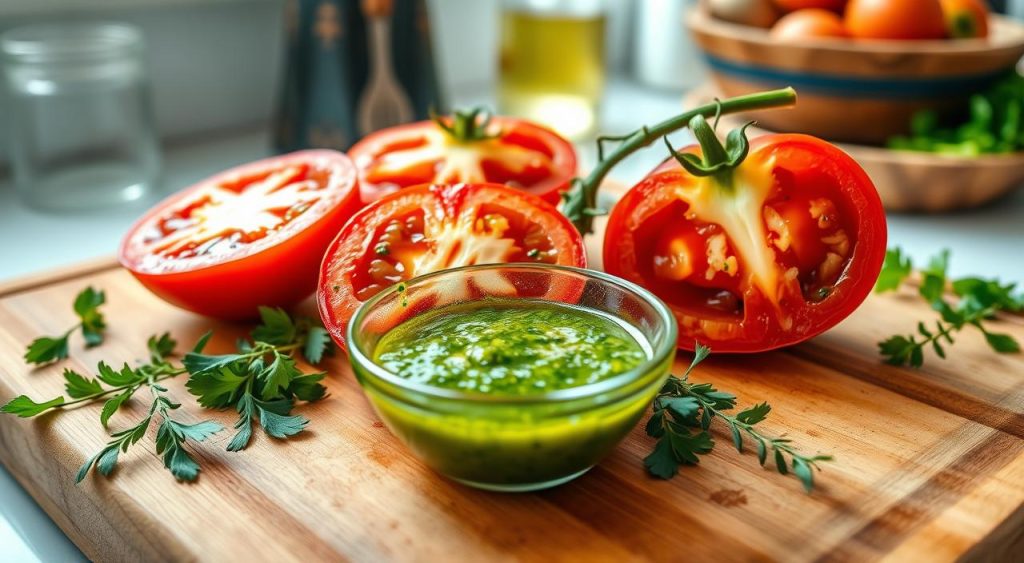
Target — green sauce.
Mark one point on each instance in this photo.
(510, 348)
(514, 351)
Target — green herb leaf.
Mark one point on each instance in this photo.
(216, 389)
(25, 407)
(318, 341)
(308, 388)
(113, 404)
(1002, 343)
(661, 462)
(895, 270)
(683, 437)
(46, 349)
(277, 327)
(160, 347)
(86, 306)
(77, 386)
(278, 376)
(200, 364)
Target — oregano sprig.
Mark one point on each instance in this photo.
(978, 301)
(47, 349)
(682, 416)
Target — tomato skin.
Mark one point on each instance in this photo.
(803, 162)
(794, 5)
(517, 132)
(895, 19)
(811, 22)
(279, 275)
(966, 18)
(337, 290)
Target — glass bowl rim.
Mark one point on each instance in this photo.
(658, 355)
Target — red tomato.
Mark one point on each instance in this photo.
(794, 5)
(802, 24)
(516, 153)
(786, 253)
(433, 227)
(895, 19)
(966, 18)
(253, 235)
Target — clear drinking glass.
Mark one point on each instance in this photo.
(81, 117)
(552, 62)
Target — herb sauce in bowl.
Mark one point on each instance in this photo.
(512, 392)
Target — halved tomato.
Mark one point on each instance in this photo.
(465, 148)
(766, 254)
(433, 227)
(253, 235)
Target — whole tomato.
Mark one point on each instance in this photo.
(802, 24)
(793, 5)
(966, 18)
(895, 19)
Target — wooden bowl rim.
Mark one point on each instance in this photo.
(1006, 34)
(931, 159)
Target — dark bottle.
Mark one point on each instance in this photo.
(328, 66)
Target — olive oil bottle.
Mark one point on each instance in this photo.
(552, 64)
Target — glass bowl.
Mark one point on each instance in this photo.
(523, 442)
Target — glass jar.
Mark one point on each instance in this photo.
(553, 63)
(81, 117)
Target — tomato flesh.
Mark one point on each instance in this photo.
(433, 227)
(521, 155)
(784, 252)
(247, 237)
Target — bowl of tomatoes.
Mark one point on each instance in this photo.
(862, 67)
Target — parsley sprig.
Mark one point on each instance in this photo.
(683, 413)
(260, 380)
(978, 300)
(47, 349)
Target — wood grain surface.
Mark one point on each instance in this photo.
(929, 464)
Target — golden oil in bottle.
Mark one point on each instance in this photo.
(552, 67)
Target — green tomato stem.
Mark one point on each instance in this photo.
(580, 202)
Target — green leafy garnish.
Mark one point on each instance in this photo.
(171, 437)
(681, 421)
(47, 349)
(978, 300)
(261, 381)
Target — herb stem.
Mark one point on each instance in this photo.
(152, 379)
(580, 204)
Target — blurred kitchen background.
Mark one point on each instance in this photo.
(228, 81)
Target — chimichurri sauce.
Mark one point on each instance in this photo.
(510, 347)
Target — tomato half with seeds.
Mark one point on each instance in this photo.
(427, 228)
(779, 248)
(252, 235)
(465, 148)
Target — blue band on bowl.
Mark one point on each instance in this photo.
(857, 87)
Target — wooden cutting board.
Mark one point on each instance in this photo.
(929, 464)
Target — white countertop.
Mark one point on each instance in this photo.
(984, 242)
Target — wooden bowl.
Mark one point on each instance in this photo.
(850, 90)
(908, 181)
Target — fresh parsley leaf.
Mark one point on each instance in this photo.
(277, 327)
(683, 412)
(308, 388)
(216, 389)
(46, 349)
(111, 405)
(278, 376)
(86, 306)
(198, 364)
(25, 407)
(77, 386)
(160, 347)
(318, 341)
(895, 269)
(979, 301)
